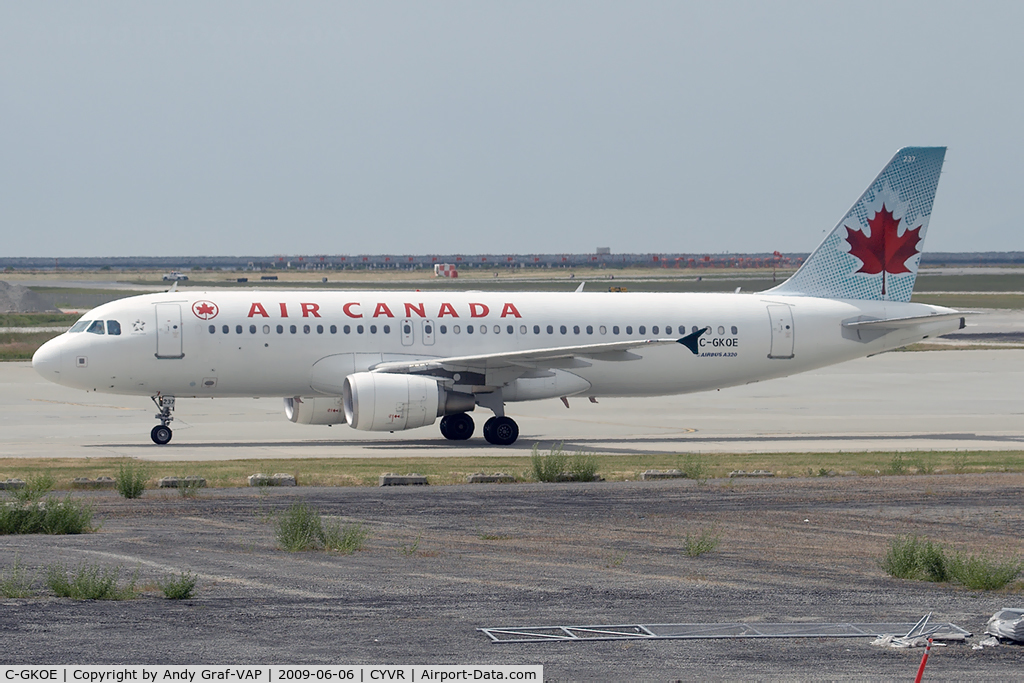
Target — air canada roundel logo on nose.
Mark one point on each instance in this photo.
(205, 310)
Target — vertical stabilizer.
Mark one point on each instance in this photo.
(875, 250)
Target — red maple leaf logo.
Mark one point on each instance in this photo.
(205, 309)
(885, 251)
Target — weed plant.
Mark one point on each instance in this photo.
(68, 516)
(189, 487)
(701, 543)
(693, 467)
(131, 479)
(90, 582)
(181, 587)
(897, 466)
(912, 557)
(35, 488)
(15, 581)
(300, 527)
(582, 466)
(344, 539)
(548, 467)
(983, 574)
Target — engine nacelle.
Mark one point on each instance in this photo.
(320, 410)
(383, 402)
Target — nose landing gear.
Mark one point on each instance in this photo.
(161, 434)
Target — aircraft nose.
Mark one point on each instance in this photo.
(46, 360)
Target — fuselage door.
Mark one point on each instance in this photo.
(407, 334)
(428, 332)
(782, 331)
(168, 331)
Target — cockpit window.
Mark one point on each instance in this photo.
(80, 326)
(113, 327)
(96, 327)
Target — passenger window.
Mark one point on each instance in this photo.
(629, 329)
(359, 329)
(575, 329)
(373, 329)
(444, 329)
(387, 329)
(654, 330)
(334, 329)
(668, 329)
(734, 330)
(213, 329)
(469, 329)
(603, 329)
(483, 329)
(536, 329)
(522, 329)
(225, 329)
(497, 329)
(305, 329)
(280, 329)
(113, 327)
(293, 329)
(319, 329)
(615, 329)
(428, 330)
(590, 329)
(96, 327)
(721, 330)
(238, 329)
(252, 329)
(456, 329)
(694, 329)
(266, 329)
(407, 329)
(80, 325)
(551, 330)
(562, 329)
(512, 330)
(347, 329)
(642, 330)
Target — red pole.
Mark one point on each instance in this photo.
(924, 660)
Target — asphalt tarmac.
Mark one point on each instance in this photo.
(905, 401)
(440, 562)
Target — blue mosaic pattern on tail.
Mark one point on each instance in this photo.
(906, 186)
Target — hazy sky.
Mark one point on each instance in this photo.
(222, 128)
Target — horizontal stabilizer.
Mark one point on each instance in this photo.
(898, 323)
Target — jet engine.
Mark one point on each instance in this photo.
(320, 410)
(382, 402)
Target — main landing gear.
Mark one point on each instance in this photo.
(499, 430)
(457, 427)
(161, 434)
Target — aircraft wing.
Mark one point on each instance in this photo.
(554, 357)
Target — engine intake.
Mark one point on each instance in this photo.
(382, 402)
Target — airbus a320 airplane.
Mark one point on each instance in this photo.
(388, 361)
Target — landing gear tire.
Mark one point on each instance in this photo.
(457, 427)
(501, 431)
(160, 435)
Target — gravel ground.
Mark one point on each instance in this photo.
(441, 562)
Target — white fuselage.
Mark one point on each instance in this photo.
(229, 343)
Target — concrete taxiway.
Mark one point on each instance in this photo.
(937, 400)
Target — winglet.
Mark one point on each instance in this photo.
(690, 340)
(582, 285)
